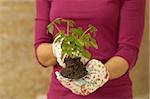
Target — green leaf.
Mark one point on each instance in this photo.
(77, 41)
(62, 32)
(76, 31)
(93, 29)
(80, 42)
(87, 44)
(94, 43)
(86, 37)
(94, 32)
(80, 30)
(57, 20)
(50, 28)
(86, 54)
(71, 23)
(73, 31)
(64, 20)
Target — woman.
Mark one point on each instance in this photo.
(120, 26)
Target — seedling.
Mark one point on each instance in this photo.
(75, 43)
(75, 40)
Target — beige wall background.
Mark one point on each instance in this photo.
(140, 73)
(21, 77)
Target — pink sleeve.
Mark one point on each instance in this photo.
(131, 28)
(41, 22)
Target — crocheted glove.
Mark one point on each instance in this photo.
(97, 76)
(57, 51)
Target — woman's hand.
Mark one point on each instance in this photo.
(117, 66)
(45, 54)
(57, 50)
(97, 76)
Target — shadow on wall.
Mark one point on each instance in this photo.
(21, 77)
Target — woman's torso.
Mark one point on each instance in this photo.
(104, 15)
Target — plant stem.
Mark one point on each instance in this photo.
(85, 32)
(67, 27)
(57, 27)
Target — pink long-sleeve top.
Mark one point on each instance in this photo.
(120, 26)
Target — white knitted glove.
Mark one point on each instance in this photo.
(58, 53)
(97, 76)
